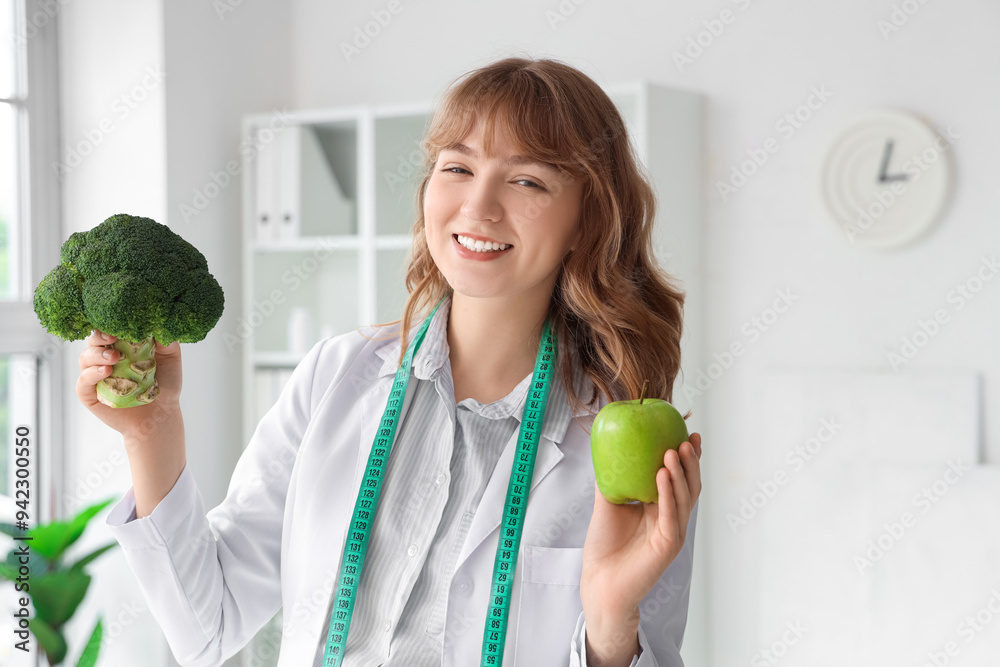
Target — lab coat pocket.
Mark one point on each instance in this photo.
(550, 604)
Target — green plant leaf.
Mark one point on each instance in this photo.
(11, 529)
(38, 563)
(89, 656)
(80, 521)
(79, 565)
(50, 641)
(53, 538)
(57, 595)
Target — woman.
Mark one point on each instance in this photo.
(532, 210)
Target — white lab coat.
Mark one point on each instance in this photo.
(275, 541)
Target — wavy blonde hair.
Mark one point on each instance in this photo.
(614, 311)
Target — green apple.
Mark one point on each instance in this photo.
(628, 441)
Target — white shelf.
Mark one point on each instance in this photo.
(398, 242)
(276, 359)
(309, 244)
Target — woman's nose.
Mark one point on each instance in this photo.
(482, 202)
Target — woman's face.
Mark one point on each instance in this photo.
(529, 210)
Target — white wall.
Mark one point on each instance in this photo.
(853, 306)
(167, 138)
(114, 122)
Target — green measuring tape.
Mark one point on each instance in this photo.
(365, 506)
(495, 633)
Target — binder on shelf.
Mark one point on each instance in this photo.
(265, 191)
(311, 200)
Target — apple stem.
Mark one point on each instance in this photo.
(643, 394)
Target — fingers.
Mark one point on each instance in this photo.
(96, 363)
(97, 352)
(167, 350)
(690, 460)
(98, 338)
(667, 515)
(86, 384)
(678, 482)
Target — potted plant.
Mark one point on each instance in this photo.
(55, 587)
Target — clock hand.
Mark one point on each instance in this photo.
(885, 160)
(882, 176)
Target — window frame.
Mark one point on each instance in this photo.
(37, 241)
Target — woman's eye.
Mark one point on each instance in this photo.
(456, 170)
(529, 183)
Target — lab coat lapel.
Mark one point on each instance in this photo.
(491, 505)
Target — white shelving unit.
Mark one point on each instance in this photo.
(347, 269)
(328, 203)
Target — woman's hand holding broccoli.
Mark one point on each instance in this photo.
(153, 433)
(96, 363)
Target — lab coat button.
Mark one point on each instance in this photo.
(440, 479)
(412, 551)
(386, 626)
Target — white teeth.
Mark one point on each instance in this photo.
(479, 245)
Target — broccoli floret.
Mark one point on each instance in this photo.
(137, 280)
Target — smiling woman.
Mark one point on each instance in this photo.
(382, 502)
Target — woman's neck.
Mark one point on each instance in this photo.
(493, 343)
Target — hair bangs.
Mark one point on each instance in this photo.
(512, 107)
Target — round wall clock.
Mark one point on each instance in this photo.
(884, 178)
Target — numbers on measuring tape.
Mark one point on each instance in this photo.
(366, 505)
(518, 488)
(352, 562)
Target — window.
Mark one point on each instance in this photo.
(29, 246)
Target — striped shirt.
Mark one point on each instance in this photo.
(442, 459)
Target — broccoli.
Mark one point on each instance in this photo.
(137, 280)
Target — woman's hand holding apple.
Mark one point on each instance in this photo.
(628, 548)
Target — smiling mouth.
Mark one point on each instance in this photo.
(476, 245)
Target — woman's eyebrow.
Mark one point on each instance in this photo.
(511, 161)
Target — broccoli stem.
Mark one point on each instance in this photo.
(132, 381)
